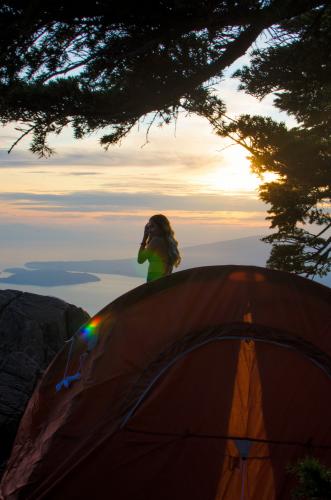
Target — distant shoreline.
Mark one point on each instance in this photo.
(241, 251)
(47, 278)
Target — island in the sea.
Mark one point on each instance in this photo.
(46, 277)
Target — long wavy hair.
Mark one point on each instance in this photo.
(169, 235)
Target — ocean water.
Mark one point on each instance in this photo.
(90, 296)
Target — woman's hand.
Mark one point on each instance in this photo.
(146, 232)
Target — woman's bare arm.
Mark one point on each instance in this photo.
(154, 247)
(142, 254)
(143, 251)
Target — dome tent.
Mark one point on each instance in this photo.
(202, 385)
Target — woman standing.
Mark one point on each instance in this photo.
(159, 247)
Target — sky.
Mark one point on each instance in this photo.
(88, 203)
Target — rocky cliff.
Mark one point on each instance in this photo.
(33, 328)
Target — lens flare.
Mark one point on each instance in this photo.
(90, 330)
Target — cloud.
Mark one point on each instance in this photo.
(112, 158)
(103, 201)
(83, 173)
(36, 172)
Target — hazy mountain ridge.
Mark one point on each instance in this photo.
(250, 251)
(244, 251)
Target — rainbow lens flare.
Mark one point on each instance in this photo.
(90, 330)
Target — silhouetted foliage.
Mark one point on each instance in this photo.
(299, 197)
(314, 480)
(297, 68)
(105, 65)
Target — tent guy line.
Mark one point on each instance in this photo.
(189, 435)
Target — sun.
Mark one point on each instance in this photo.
(234, 174)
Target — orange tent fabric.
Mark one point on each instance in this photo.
(203, 385)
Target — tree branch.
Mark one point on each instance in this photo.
(26, 132)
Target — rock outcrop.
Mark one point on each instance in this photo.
(33, 328)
